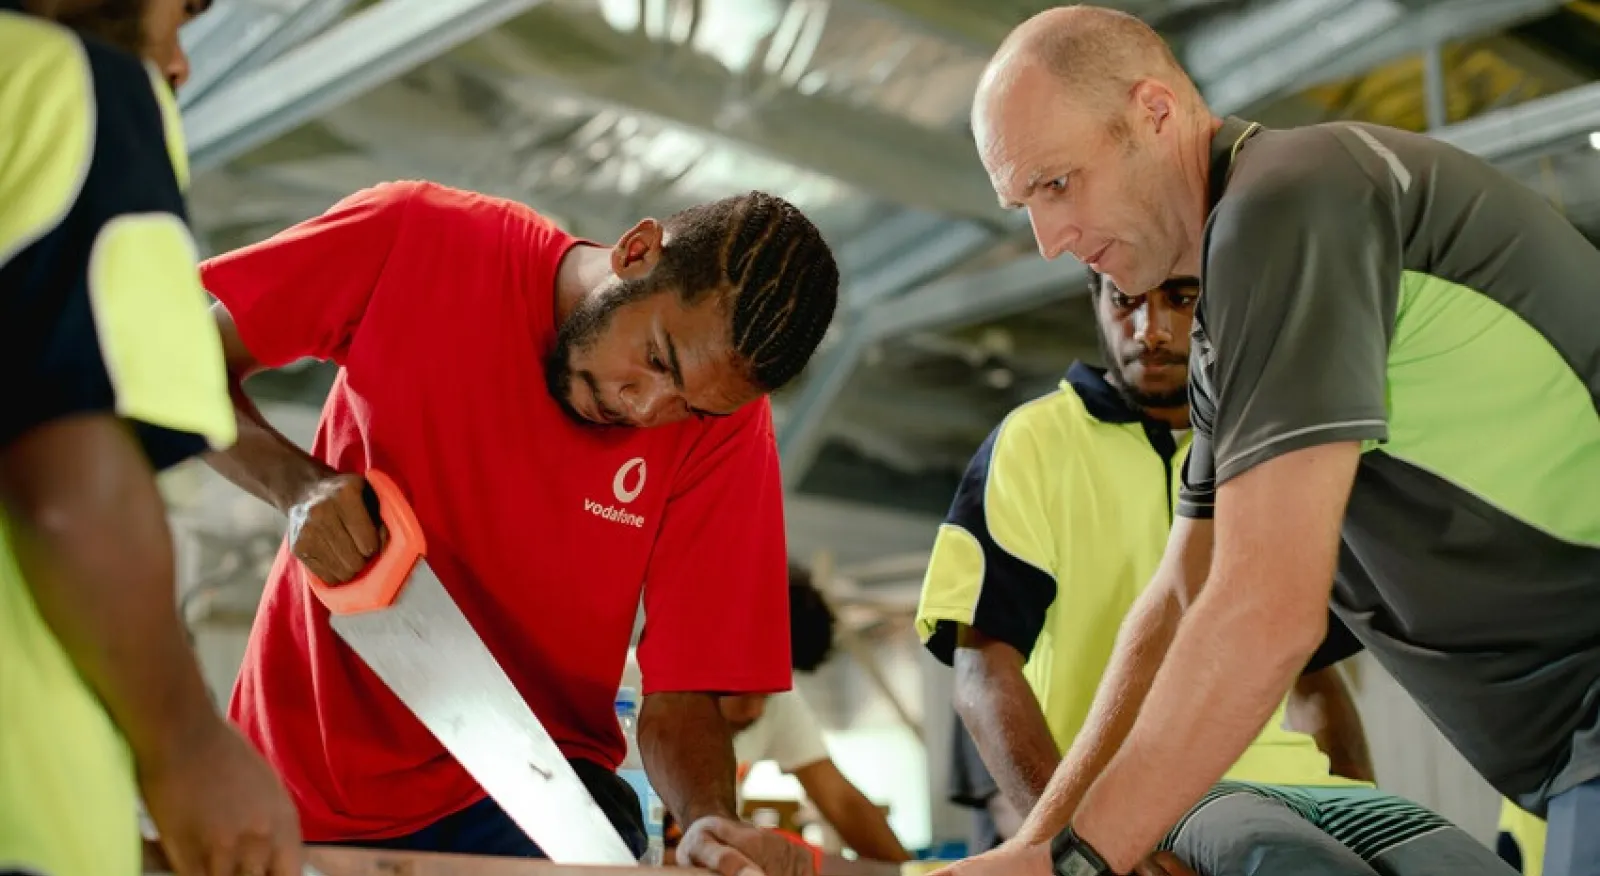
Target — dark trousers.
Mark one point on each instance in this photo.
(485, 829)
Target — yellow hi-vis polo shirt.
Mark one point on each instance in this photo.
(1057, 527)
(101, 312)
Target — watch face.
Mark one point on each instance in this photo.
(1073, 863)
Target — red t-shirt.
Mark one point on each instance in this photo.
(438, 306)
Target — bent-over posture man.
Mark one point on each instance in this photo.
(1055, 530)
(1396, 398)
(503, 373)
(113, 373)
(783, 729)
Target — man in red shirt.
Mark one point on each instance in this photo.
(500, 370)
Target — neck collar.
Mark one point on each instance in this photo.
(1225, 145)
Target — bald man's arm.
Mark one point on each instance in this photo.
(1236, 654)
(1147, 633)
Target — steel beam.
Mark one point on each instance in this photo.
(1267, 73)
(1434, 88)
(1224, 43)
(371, 47)
(802, 431)
(251, 36)
(894, 235)
(876, 152)
(1438, 24)
(967, 298)
(1528, 128)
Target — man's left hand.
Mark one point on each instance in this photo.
(1010, 859)
(1034, 860)
(734, 848)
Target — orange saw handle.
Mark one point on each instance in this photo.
(379, 583)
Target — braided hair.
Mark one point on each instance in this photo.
(778, 273)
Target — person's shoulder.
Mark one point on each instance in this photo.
(33, 45)
(1315, 171)
(1044, 426)
(488, 216)
(751, 422)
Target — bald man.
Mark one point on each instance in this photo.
(1395, 383)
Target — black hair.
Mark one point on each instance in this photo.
(119, 23)
(811, 621)
(780, 275)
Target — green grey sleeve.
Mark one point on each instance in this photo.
(1302, 275)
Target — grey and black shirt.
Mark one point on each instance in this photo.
(1371, 285)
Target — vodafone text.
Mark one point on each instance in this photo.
(612, 513)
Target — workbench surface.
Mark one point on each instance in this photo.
(333, 861)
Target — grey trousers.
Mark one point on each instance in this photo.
(1572, 841)
(1244, 829)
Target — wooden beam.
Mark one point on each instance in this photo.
(343, 861)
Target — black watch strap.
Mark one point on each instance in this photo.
(1071, 856)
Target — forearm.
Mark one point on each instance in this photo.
(1142, 644)
(92, 543)
(1320, 706)
(1002, 713)
(688, 754)
(863, 827)
(262, 461)
(1234, 655)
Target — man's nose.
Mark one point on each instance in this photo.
(177, 69)
(652, 401)
(1154, 326)
(1053, 231)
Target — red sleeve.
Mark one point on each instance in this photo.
(716, 595)
(302, 292)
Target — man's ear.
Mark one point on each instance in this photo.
(638, 250)
(1156, 102)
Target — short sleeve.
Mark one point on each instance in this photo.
(1338, 645)
(796, 737)
(716, 594)
(1301, 279)
(993, 560)
(101, 309)
(302, 292)
(1197, 488)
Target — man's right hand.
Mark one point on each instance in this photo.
(733, 848)
(334, 530)
(219, 808)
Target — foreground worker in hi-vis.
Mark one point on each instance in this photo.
(114, 372)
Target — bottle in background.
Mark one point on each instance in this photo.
(632, 772)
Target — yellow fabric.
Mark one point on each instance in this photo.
(67, 797)
(68, 804)
(1089, 503)
(157, 337)
(1528, 830)
(68, 800)
(172, 123)
(46, 128)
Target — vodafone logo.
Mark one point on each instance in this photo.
(619, 484)
(626, 485)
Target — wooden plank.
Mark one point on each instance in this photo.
(340, 861)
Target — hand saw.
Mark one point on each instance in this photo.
(398, 617)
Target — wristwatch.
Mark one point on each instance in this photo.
(1072, 856)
